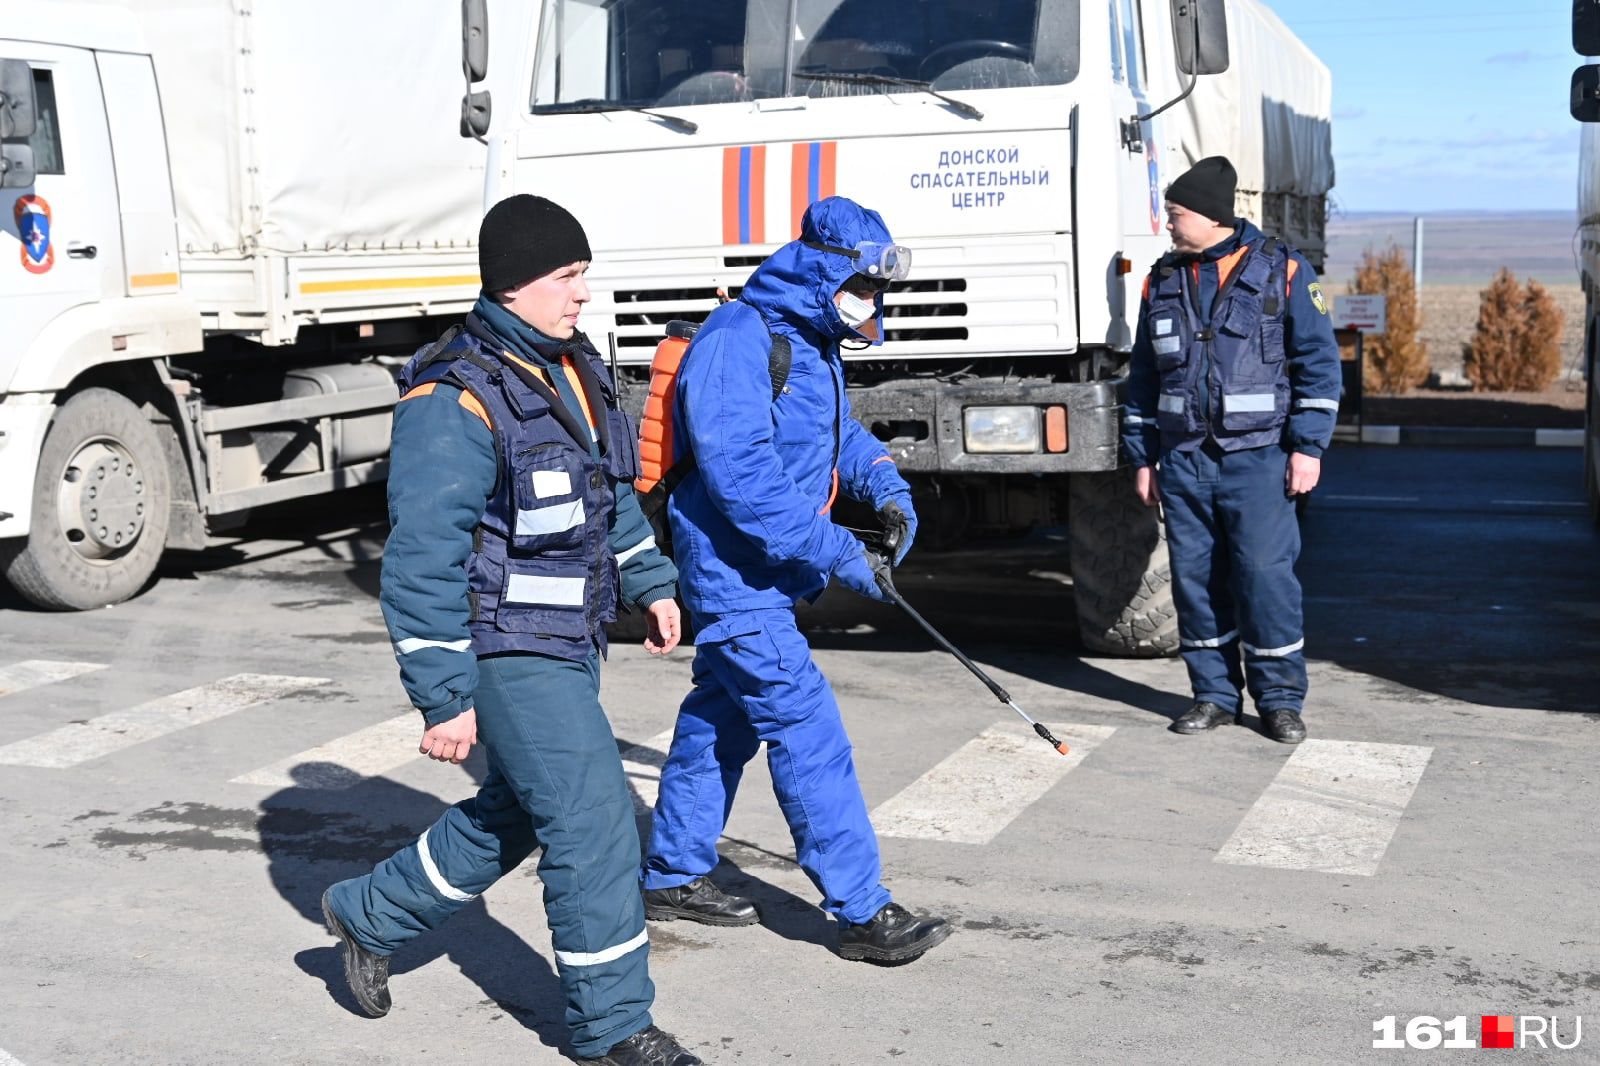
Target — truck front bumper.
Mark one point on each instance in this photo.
(923, 425)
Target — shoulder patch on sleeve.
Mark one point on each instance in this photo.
(1317, 299)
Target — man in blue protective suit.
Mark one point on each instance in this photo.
(1232, 395)
(515, 533)
(753, 537)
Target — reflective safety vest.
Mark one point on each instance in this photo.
(542, 576)
(1229, 380)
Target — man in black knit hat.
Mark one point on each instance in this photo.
(1233, 389)
(515, 533)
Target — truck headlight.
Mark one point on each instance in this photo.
(1012, 430)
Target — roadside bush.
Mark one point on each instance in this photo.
(1397, 361)
(1517, 344)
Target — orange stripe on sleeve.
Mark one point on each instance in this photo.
(420, 390)
(1294, 266)
(470, 402)
(883, 459)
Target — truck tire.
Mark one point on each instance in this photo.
(1121, 578)
(101, 503)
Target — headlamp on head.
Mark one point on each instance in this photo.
(874, 259)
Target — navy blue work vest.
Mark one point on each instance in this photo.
(1229, 380)
(542, 576)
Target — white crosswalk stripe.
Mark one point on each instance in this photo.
(370, 752)
(642, 765)
(982, 788)
(91, 739)
(31, 673)
(1333, 808)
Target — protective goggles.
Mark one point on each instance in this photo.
(875, 259)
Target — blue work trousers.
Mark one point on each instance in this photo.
(755, 683)
(1233, 539)
(555, 781)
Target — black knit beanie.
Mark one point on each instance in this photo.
(525, 237)
(1207, 189)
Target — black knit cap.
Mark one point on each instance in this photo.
(1207, 189)
(525, 237)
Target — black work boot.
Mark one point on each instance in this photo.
(699, 901)
(1202, 717)
(365, 971)
(893, 935)
(1284, 726)
(648, 1047)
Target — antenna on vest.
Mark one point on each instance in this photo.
(611, 342)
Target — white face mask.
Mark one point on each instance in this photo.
(855, 311)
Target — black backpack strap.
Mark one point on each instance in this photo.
(779, 359)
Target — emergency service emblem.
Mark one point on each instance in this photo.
(1315, 289)
(32, 216)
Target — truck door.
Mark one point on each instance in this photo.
(61, 245)
(1144, 238)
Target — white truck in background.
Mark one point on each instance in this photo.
(321, 204)
(215, 220)
(1586, 109)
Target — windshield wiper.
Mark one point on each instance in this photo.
(860, 78)
(595, 107)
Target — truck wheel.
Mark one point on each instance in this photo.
(1120, 574)
(100, 507)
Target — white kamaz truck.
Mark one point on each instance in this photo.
(307, 218)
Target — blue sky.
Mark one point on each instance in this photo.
(1447, 105)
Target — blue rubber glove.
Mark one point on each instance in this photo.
(857, 573)
(899, 527)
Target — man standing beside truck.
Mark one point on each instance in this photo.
(515, 533)
(1233, 390)
(753, 537)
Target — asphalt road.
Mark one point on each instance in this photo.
(182, 775)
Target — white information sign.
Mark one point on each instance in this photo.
(1364, 313)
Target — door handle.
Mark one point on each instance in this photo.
(82, 251)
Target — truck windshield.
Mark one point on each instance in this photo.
(667, 53)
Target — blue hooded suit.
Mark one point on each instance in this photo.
(753, 538)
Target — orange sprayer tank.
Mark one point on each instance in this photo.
(655, 429)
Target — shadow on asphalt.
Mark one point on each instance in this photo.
(314, 836)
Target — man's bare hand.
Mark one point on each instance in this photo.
(451, 741)
(1144, 483)
(1304, 472)
(666, 626)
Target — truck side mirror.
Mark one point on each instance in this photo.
(16, 166)
(475, 39)
(475, 114)
(1586, 94)
(1586, 27)
(1200, 34)
(16, 100)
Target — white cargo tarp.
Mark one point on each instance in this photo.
(1270, 112)
(304, 125)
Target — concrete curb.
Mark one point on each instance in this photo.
(1461, 436)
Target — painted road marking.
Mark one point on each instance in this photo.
(31, 673)
(1333, 808)
(370, 752)
(981, 788)
(82, 741)
(641, 764)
